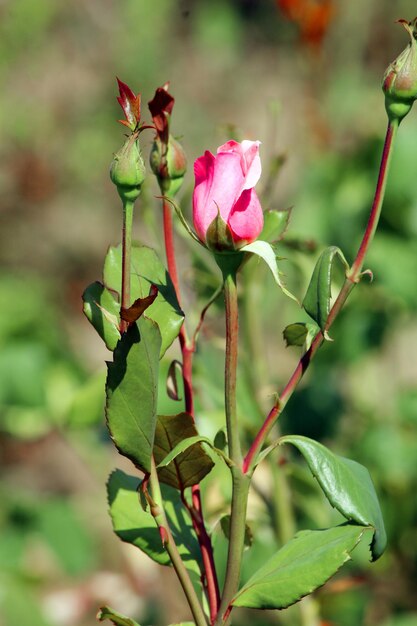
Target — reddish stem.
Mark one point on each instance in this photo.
(187, 350)
(169, 246)
(352, 279)
(377, 203)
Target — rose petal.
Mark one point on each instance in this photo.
(203, 172)
(246, 219)
(229, 146)
(203, 167)
(250, 160)
(218, 184)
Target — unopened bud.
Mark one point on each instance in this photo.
(169, 164)
(400, 79)
(127, 170)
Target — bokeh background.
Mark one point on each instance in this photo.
(302, 76)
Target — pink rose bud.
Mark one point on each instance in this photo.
(226, 210)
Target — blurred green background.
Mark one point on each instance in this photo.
(303, 77)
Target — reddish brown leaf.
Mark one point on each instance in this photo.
(190, 466)
(133, 313)
(161, 108)
(130, 105)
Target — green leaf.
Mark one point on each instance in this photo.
(147, 270)
(131, 391)
(220, 440)
(317, 299)
(184, 624)
(118, 620)
(275, 225)
(301, 566)
(266, 252)
(103, 312)
(300, 334)
(347, 485)
(184, 444)
(190, 466)
(135, 526)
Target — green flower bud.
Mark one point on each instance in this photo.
(169, 165)
(400, 79)
(219, 237)
(127, 170)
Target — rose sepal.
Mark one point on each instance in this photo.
(182, 219)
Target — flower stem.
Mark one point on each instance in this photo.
(240, 492)
(378, 200)
(170, 546)
(169, 245)
(240, 482)
(352, 278)
(232, 331)
(126, 258)
(187, 351)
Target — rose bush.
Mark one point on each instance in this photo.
(227, 213)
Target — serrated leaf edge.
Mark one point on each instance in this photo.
(347, 558)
